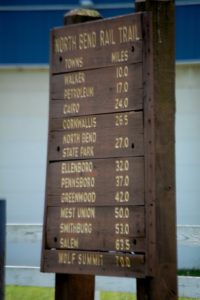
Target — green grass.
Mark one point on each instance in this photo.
(126, 296)
(189, 272)
(13, 292)
(39, 293)
(117, 296)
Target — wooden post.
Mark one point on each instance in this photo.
(164, 284)
(76, 287)
(2, 246)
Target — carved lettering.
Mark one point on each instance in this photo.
(122, 196)
(88, 137)
(119, 56)
(79, 92)
(66, 258)
(78, 197)
(121, 120)
(87, 151)
(121, 103)
(77, 182)
(79, 228)
(121, 165)
(71, 108)
(128, 33)
(122, 72)
(107, 37)
(77, 167)
(123, 261)
(77, 138)
(67, 212)
(71, 138)
(122, 212)
(76, 152)
(79, 212)
(71, 63)
(87, 40)
(70, 152)
(86, 212)
(69, 243)
(65, 43)
(74, 78)
(122, 244)
(79, 123)
(90, 259)
(121, 228)
(121, 142)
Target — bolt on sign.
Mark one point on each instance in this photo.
(99, 209)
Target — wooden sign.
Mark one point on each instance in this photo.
(97, 208)
(97, 45)
(84, 137)
(75, 227)
(99, 181)
(79, 93)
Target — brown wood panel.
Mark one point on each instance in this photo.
(99, 263)
(97, 91)
(94, 242)
(97, 44)
(68, 108)
(63, 85)
(95, 228)
(97, 136)
(105, 182)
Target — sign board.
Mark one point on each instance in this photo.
(97, 207)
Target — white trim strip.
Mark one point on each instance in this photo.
(46, 66)
(22, 67)
(187, 235)
(188, 62)
(31, 276)
(186, 3)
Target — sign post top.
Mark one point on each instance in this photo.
(81, 15)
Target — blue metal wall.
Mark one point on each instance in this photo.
(188, 32)
(24, 28)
